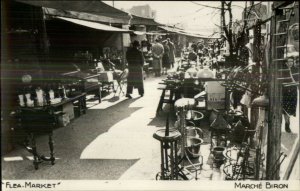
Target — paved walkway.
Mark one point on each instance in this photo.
(113, 140)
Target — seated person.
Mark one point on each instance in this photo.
(108, 65)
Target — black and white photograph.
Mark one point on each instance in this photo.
(149, 95)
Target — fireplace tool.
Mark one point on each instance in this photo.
(190, 145)
(241, 168)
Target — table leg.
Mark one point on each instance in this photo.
(99, 94)
(172, 160)
(211, 140)
(159, 107)
(36, 159)
(171, 99)
(52, 158)
(162, 160)
(82, 105)
(166, 155)
(176, 162)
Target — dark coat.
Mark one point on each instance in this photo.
(166, 58)
(192, 56)
(172, 52)
(135, 61)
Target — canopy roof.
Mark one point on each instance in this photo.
(184, 32)
(94, 7)
(149, 33)
(84, 16)
(137, 20)
(94, 25)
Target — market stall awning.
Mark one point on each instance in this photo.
(94, 7)
(84, 16)
(94, 25)
(186, 33)
(156, 33)
(139, 32)
(137, 20)
(170, 29)
(149, 33)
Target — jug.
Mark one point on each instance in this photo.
(51, 94)
(21, 100)
(29, 102)
(39, 96)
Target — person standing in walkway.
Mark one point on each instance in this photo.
(172, 52)
(192, 55)
(166, 57)
(158, 51)
(135, 61)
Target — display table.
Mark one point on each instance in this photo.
(42, 120)
(172, 87)
(87, 82)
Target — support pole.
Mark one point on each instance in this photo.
(275, 111)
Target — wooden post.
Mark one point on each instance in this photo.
(123, 52)
(294, 156)
(275, 112)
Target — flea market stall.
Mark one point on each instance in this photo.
(49, 70)
(241, 103)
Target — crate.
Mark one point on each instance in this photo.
(68, 109)
(63, 120)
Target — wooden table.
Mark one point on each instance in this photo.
(37, 120)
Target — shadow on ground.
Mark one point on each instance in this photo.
(69, 142)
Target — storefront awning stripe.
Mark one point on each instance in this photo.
(94, 25)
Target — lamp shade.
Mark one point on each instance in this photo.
(26, 78)
(261, 101)
(220, 123)
(205, 73)
(192, 72)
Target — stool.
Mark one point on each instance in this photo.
(162, 100)
(168, 143)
